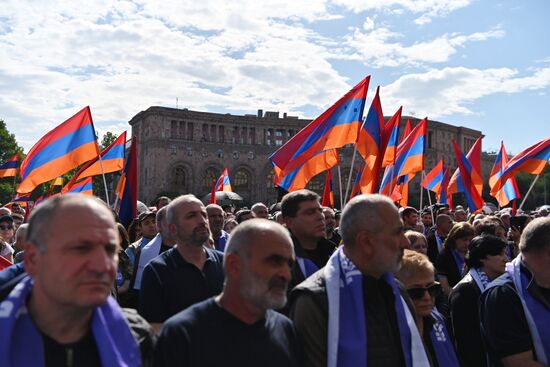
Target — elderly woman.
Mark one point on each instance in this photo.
(418, 276)
(486, 260)
(450, 264)
(418, 241)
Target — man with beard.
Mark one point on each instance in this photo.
(353, 312)
(186, 274)
(215, 221)
(239, 327)
(330, 223)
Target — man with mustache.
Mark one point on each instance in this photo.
(60, 313)
(187, 273)
(239, 327)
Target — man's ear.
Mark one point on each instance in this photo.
(233, 265)
(364, 241)
(172, 228)
(30, 257)
(288, 222)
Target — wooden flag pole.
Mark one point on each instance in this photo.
(104, 180)
(421, 191)
(350, 173)
(529, 191)
(340, 187)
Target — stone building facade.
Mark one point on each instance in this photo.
(183, 151)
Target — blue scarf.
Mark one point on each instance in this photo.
(481, 279)
(307, 266)
(459, 261)
(22, 343)
(347, 334)
(443, 346)
(534, 310)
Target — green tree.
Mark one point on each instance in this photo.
(108, 138)
(8, 147)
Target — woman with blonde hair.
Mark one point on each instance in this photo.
(417, 274)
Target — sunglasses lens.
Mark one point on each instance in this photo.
(435, 290)
(416, 293)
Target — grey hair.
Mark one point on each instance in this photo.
(21, 233)
(535, 236)
(257, 205)
(38, 231)
(171, 212)
(362, 213)
(161, 214)
(244, 235)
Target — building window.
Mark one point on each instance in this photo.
(204, 132)
(210, 175)
(234, 139)
(241, 179)
(279, 133)
(212, 133)
(189, 131)
(221, 134)
(316, 184)
(174, 129)
(252, 135)
(178, 177)
(269, 180)
(430, 138)
(181, 130)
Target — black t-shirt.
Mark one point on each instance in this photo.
(384, 341)
(82, 353)
(504, 326)
(207, 335)
(446, 266)
(170, 284)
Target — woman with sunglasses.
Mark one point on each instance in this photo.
(486, 260)
(417, 274)
(450, 264)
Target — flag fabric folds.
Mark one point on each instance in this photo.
(474, 157)
(62, 149)
(334, 128)
(369, 137)
(129, 192)
(112, 159)
(442, 198)
(9, 169)
(437, 180)
(82, 187)
(531, 160)
(410, 152)
(22, 200)
(509, 190)
(356, 190)
(223, 183)
(213, 198)
(391, 130)
(328, 193)
(299, 177)
(465, 181)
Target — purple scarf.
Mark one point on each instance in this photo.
(115, 342)
(443, 346)
(459, 261)
(347, 334)
(307, 266)
(534, 310)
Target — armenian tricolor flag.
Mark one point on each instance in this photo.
(509, 190)
(9, 169)
(129, 190)
(223, 183)
(62, 149)
(465, 181)
(328, 194)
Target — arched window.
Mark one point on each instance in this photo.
(241, 179)
(178, 177)
(210, 175)
(316, 184)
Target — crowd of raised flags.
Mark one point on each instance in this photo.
(386, 165)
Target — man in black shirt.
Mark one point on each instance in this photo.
(186, 274)
(352, 312)
(60, 312)
(239, 327)
(303, 216)
(443, 225)
(515, 309)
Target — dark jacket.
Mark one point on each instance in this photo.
(464, 303)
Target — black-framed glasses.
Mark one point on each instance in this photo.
(5, 228)
(416, 293)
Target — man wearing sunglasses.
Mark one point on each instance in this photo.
(353, 312)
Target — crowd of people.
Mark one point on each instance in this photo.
(297, 284)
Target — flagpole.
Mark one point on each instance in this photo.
(340, 187)
(350, 173)
(429, 200)
(353, 161)
(529, 191)
(421, 191)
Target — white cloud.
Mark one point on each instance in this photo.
(448, 91)
(377, 47)
(428, 9)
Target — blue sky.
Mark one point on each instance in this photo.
(480, 64)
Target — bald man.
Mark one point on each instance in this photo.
(71, 255)
(240, 324)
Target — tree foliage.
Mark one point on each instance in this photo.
(8, 147)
